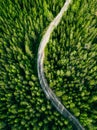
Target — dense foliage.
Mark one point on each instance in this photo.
(22, 102)
(71, 62)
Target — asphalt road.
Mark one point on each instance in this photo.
(43, 82)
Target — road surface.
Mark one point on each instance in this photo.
(43, 82)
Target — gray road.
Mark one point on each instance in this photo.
(49, 93)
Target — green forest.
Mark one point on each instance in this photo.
(70, 64)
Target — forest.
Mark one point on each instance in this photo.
(70, 64)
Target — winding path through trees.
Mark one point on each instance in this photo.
(49, 93)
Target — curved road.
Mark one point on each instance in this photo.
(49, 93)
